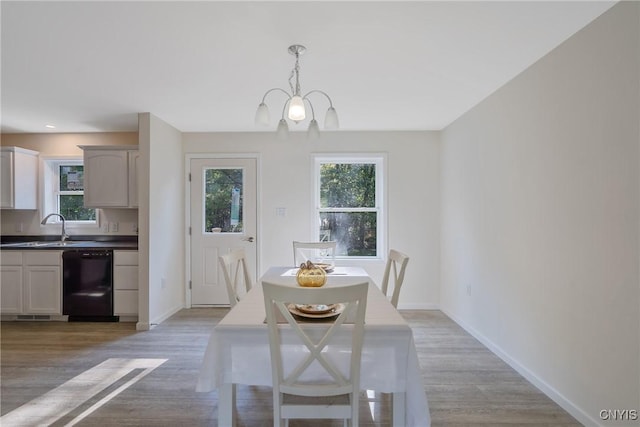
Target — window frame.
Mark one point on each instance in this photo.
(380, 162)
(50, 191)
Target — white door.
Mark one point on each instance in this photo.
(223, 217)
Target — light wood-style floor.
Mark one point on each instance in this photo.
(465, 383)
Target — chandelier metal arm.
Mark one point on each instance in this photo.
(285, 107)
(276, 89)
(318, 91)
(313, 112)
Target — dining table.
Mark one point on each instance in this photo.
(238, 349)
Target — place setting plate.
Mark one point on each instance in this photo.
(316, 311)
(328, 268)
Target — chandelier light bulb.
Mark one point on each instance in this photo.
(262, 115)
(331, 119)
(283, 129)
(296, 109)
(314, 129)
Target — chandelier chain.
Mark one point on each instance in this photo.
(295, 72)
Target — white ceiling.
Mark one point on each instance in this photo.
(204, 66)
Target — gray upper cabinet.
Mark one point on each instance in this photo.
(19, 180)
(110, 176)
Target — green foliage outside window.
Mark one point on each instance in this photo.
(347, 207)
(218, 198)
(347, 185)
(71, 194)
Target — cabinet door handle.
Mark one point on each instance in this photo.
(247, 239)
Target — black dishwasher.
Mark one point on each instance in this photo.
(87, 285)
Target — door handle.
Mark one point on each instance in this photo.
(247, 239)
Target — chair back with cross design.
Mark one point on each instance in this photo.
(235, 273)
(314, 339)
(394, 274)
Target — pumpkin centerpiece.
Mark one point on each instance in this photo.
(311, 276)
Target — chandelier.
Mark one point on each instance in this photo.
(295, 105)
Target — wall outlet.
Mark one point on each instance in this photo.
(105, 227)
(281, 211)
(19, 227)
(114, 227)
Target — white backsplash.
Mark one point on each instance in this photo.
(112, 222)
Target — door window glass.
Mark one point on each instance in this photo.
(223, 194)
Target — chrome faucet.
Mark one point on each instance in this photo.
(64, 235)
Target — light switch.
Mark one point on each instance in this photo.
(281, 211)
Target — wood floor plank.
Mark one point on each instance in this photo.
(466, 384)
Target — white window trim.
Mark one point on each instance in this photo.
(380, 160)
(49, 172)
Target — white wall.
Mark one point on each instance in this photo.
(162, 234)
(540, 219)
(285, 181)
(27, 223)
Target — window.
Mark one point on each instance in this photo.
(349, 204)
(223, 200)
(64, 191)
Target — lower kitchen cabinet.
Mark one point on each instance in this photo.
(31, 282)
(11, 282)
(125, 283)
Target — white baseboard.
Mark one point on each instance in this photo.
(575, 411)
(33, 317)
(167, 314)
(418, 307)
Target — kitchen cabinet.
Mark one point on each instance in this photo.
(31, 282)
(11, 282)
(134, 160)
(19, 178)
(125, 283)
(110, 176)
(42, 282)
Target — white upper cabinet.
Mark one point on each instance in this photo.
(19, 180)
(134, 157)
(110, 176)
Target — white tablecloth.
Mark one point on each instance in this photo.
(238, 349)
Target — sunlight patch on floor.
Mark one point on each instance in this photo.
(55, 404)
(372, 404)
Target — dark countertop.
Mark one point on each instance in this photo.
(73, 242)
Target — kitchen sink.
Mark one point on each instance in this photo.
(61, 244)
(41, 243)
(44, 244)
(27, 244)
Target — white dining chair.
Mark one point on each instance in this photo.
(290, 383)
(236, 273)
(323, 252)
(395, 268)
